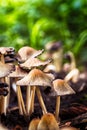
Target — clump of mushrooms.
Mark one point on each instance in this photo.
(35, 79)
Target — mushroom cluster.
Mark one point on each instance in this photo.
(26, 69)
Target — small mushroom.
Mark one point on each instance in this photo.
(72, 75)
(61, 87)
(26, 52)
(36, 78)
(5, 69)
(5, 51)
(18, 74)
(34, 124)
(48, 122)
(55, 51)
(34, 62)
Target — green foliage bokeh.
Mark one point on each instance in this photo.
(36, 22)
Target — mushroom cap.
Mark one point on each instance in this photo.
(18, 73)
(53, 46)
(48, 122)
(34, 62)
(6, 50)
(61, 87)
(33, 124)
(36, 78)
(74, 73)
(26, 52)
(5, 69)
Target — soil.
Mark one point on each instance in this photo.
(71, 107)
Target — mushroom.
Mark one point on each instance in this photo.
(33, 62)
(48, 122)
(26, 52)
(6, 51)
(61, 87)
(5, 69)
(18, 74)
(36, 78)
(34, 124)
(72, 75)
(55, 51)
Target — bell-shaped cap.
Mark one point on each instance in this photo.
(18, 73)
(61, 87)
(5, 69)
(34, 62)
(33, 124)
(26, 52)
(36, 77)
(48, 122)
(6, 50)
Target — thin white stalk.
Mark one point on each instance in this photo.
(57, 108)
(28, 91)
(22, 101)
(19, 101)
(41, 100)
(31, 105)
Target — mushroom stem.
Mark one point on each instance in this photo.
(19, 101)
(57, 61)
(57, 108)
(41, 101)
(4, 106)
(28, 91)
(7, 80)
(31, 105)
(4, 101)
(2, 59)
(22, 101)
(33, 99)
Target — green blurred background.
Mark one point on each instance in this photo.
(37, 22)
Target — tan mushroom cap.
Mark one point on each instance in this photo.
(18, 73)
(6, 50)
(34, 62)
(48, 122)
(34, 124)
(26, 52)
(36, 78)
(5, 69)
(61, 87)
